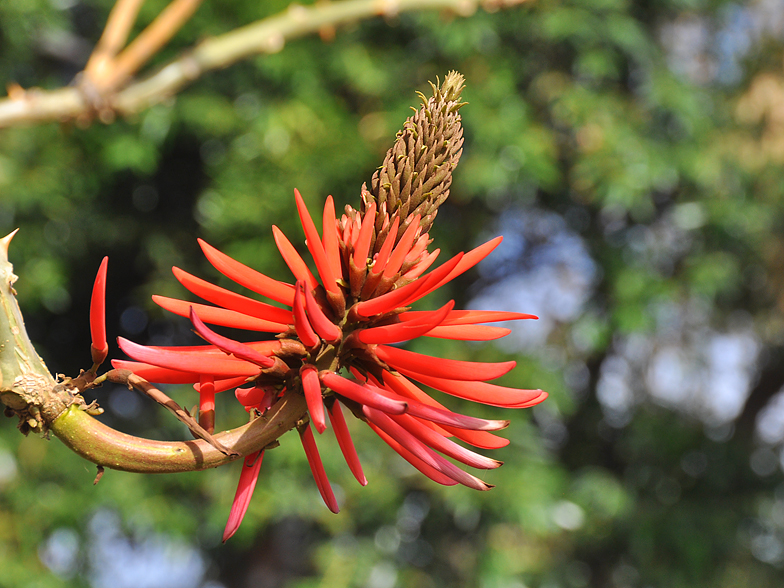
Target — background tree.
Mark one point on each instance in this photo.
(631, 154)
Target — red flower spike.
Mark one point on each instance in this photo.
(362, 246)
(362, 393)
(247, 277)
(330, 230)
(402, 249)
(315, 246)
(248, 477)
(231, 300)
(398, 332)
(302, 325)
(296, 264)
(422, 451)
(207, 403)
(220, 367)
(324, 327)
(219, 316)
(235, 348)
(317, 468)
(420, 465)
(346, 444)
(311, 387)
(99, 348)
(443, 368)
(449, 448)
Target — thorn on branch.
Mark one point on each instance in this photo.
(99, 475)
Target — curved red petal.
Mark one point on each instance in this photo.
(482, 392)
(345, 442)
(199, 363)
(229, 346)
(470, 317)
(219, 316)
(438, 442)
(362, 246)
(402, 249)
(468, 332)
(302, 325)
(248, 476)
(231, 300)
(380, 263)
(245, 276)
(363, 393)
(331, 244)
(315, 246)
(154, 373)
(398, 332)
(324, 327)
(422, 451)
(317, 468)
(98, 314)
(469, 260)
(293, 259)
(443, 368)
(207, 402)
(311, 387)
(420, 465)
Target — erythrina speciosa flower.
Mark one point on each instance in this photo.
(337, 334)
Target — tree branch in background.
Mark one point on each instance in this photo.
(268, 35)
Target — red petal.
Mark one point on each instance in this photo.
(420, 267)
(219, 316)
(324, 327)
(402, 249)
(420, 465)
(445, 446)
(317, 469)
(468, 261)
(301, 323)
(232, 300)
(263, 347)
(398, 332)
(330, 230)
(245, 276)
(468, 332)
(482, 392)
(422, 451)
(207, 403)
(153, 373)
(383, 254)
(199, 363)
(98, 314)
(315, 246)
(311, 387)
(229, 346)
(296, 264)
(346, 444)
(225, 384)
(362, 246)
(248, 477)
(261, 397)
(362, 393)
(480, 439)
(470, 317)
(443, 368)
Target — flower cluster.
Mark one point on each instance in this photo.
(336, 335)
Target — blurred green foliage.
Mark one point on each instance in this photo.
(639, 124)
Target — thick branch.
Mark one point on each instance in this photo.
(265, 36)
(106, 447)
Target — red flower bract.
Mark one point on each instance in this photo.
(342, 324)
